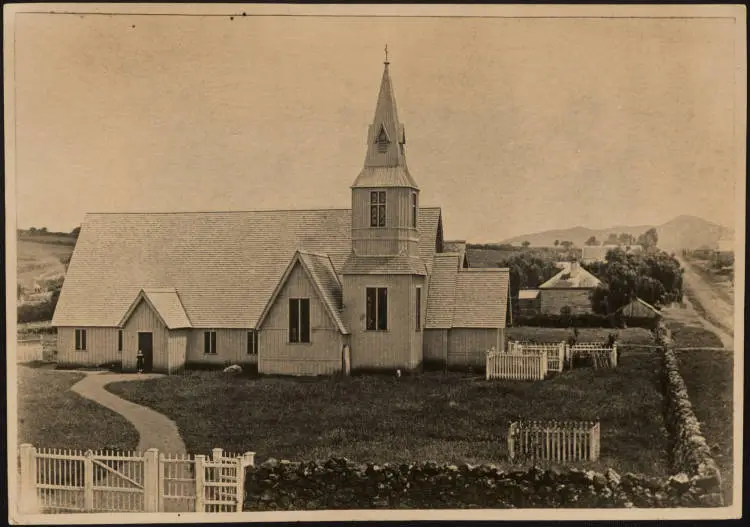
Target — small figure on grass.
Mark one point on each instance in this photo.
(139, 362)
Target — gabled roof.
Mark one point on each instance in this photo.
(481, 298)
(225, 265)
(571, 278)
(384, 265)
(166, 304)
(459, 247)
(639, 308)
(442, 291)
(319, 270)
(466, 298)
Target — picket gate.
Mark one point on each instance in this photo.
(55, 481)
(517, 367)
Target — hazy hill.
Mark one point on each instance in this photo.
(683, 232)
(41, 256)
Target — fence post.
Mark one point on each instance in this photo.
(28, 497)
(161, 483)
(511, 445)
(151, 480)
(614, 355)
(200, 472)
(216, 454)
(88, 481)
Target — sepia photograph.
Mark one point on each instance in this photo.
(355, 262)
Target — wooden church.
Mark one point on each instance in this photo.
(291, 292)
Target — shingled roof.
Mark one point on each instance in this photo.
(574, 277)
(466, 298)
(481, 298)
(223, 265)
(165, 303)
(321, 273)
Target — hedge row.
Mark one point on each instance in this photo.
(340, 484)
(588, 320)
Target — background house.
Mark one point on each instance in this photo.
(569, 288)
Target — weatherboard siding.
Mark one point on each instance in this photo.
(396, 236)
(435, 347)
(177, 349)
(321, 356)
(397, 348)
(553, 300)
(468, 347)
(144, 319)
(101, 347)
(231, 347)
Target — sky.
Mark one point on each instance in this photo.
(513, 125)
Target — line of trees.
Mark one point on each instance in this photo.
(528, 270)
(653, 276)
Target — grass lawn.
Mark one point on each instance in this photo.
(708, 375)
(453, 418)
(538, 334)
(692, 335)
(51, 416)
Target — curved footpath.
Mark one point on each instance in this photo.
(155, 429)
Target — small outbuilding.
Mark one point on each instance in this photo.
(638, 309)
(570, 288)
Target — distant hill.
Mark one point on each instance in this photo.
(41, 256)
(683, 232)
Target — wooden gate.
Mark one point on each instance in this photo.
(58, 481)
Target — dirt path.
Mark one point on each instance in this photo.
(690, 316)
(155, 430)
(706, 298)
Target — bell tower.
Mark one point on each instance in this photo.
(385, 198)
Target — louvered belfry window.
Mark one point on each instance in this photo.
(377, 208)
(382, 141)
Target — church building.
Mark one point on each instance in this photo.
(291, 292)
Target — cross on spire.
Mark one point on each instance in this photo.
(386, 55)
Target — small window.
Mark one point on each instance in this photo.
(377, 309)
(252, 342)
(414, 210)
(377, 208)
(419, 308)
(119, 340)
(209, 342)
(299, 320)
(80, 340)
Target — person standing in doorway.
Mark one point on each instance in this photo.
(139, 361)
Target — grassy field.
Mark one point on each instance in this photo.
(49, 415)
(39, 260)
(446, 418)
(536, 334)
(695, 335)
(708, 375)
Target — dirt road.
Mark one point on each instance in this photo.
(707, 301)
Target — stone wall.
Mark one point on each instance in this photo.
(340, 484)
(690, 454)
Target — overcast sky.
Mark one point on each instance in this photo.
(513, 125)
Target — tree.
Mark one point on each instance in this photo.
(557, 243)
(592, 241)
(625, 239)
(525, 243)
(611, 239)
(43, 229)
(567, 244)
(528, 270)
(75, 232)
(649, 239)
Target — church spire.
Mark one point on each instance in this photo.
(386, 139)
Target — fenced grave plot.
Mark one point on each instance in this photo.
(58, 481)
(556, 352)
(599, 355)
(553, 441)
(515, 366)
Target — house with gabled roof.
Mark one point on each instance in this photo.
(569, 290)
(292, 292)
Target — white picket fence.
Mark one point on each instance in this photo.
(54, 481)
(556, 357)
(36, 349)
(554, 441)
(514, 366)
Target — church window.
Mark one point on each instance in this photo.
(299, 320)
(80, 339)
(252, 342)
(209, 342)
(377, 208)
(377, 309)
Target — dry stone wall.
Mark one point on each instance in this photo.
(341, 484)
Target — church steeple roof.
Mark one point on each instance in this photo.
(385, 161)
